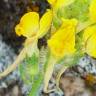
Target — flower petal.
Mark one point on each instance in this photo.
(88, 32)
(51, 1)
(45, 23)
(89, 41)
(92, 10)
(63, 41)
(29, 25)
(62, 3)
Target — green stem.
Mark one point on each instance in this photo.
(36, 85)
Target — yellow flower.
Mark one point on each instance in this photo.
(63, 41)
(92, 10)
(57, 4)
(52, 2)
(30, 25)
(45, 23)
(89, 41)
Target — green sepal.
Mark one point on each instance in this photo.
(29, 68)
(32, 64)
(71, 60)
(56, 22)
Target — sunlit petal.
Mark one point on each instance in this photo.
(63, 41)
(29, 25)
(45, 23)
(89, 41)
(92, 10)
